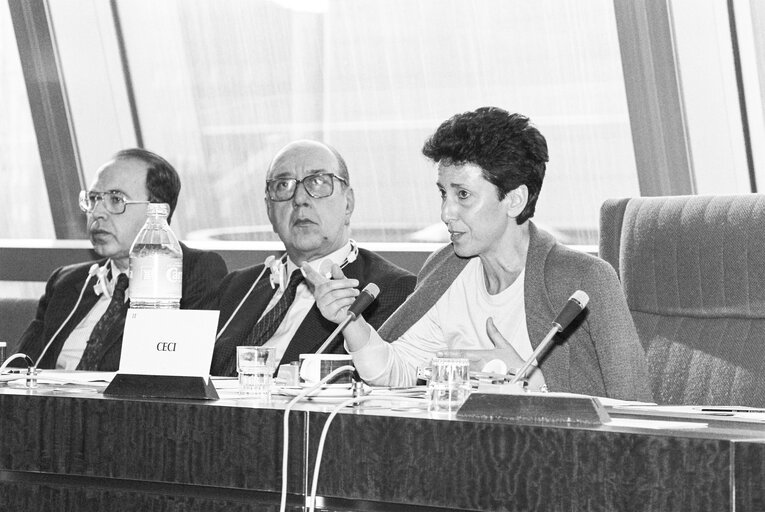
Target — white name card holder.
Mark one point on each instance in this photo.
(166, 353)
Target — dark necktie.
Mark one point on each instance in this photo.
(267, 325)
(114, 314)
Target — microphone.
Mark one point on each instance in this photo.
(362, 302)
(575, 304)
(365, 298)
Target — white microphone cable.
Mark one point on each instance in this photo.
(300, 396)
(325, 430)
(30, 363)
(91, 272)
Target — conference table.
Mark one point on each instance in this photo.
(68, 447)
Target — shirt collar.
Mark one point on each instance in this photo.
(106, 276)
(280, 272)
(338, 257)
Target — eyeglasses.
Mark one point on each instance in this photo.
(114, 202)
(316, 185)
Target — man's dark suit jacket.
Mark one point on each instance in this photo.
(395, 285)
(202, 273)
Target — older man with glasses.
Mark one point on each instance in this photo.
(309, 202)
(80, 318)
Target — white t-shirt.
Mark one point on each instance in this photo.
(456, 321)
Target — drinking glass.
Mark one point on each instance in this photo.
(449, 384)
(256, 366)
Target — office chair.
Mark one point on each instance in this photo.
(15, 315)
(693, 271)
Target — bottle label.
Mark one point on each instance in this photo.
(156, 276)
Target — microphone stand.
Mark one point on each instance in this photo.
(541, 349)
(31, 375)
(574, 306)
(337, 330)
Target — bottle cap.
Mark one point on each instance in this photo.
(161, 209)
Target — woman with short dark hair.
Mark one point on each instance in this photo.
(493, 292)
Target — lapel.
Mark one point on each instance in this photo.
(310, 335)
(539, 309)
(89, 299)
(253, 306)
(537, 300)
(239, 323)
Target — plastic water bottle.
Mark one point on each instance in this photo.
(156, 263)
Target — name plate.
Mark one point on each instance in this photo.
(544, 408)
(168, 342)
(166, 353)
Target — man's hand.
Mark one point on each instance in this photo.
(333, 296)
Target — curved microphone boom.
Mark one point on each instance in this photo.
(362, 302)
(575, 305)
(266, 264)
(93, 270)
(32, 365)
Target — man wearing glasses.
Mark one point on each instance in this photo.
(309, 201)
(71, 319)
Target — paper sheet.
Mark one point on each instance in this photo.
(62, 377)
(655, 424)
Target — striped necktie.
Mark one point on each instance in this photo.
(267, 325)
(225, 352)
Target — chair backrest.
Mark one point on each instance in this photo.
(15, 315)
(693, 271)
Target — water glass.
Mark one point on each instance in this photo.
(256, 366)
(449, 384)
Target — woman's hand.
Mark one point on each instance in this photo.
(503, 351)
